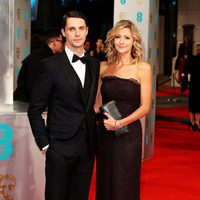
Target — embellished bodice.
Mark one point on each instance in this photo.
(126, 93)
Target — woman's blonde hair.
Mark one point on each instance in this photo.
(110, 50)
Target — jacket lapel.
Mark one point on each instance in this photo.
(91, 69)
(71, 76)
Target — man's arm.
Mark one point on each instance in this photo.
(37, 106)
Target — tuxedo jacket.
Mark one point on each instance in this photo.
(70, 107)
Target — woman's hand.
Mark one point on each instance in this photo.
(110, 122)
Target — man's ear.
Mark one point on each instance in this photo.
(63, 32)
(87, 30)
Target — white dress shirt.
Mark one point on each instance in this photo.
(78, 66)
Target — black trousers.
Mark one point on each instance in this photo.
(67, 178)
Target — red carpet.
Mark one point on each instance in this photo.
(173, 171)
(179, 112)
(169, 91)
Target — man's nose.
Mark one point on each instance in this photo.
(77, 32)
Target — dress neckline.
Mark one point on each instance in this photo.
(117, 77)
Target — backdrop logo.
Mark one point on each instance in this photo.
(26, 14)
(18, 52)
(122, 15)
(123, 1)
(17, 71)
(18, 33)
(7, 187)
(139, 16)
(26, 33)
(6, 135)
(26, 52)
(139, 1)
(19, 13)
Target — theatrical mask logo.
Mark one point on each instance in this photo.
(151, 17)
(18, 51)
(122, 15)
(19, 13)
(139, 1)
(26, 33)
(7, 187)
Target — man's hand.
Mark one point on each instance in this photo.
(44, 149)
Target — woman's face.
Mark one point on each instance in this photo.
(123, 41)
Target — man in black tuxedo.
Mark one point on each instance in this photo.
(68, 86)
(30, 69)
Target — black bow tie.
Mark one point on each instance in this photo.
(82, 59)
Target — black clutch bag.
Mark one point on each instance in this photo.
(113, 111)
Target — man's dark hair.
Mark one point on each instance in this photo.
(75, 14)
(51, 34)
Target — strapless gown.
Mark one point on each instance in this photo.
(118, 159)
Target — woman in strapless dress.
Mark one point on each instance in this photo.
(126, 79)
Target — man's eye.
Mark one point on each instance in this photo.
(82, 28)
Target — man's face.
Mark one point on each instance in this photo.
(87, 46)
(99, 43)
(75, 32)
(58, 44)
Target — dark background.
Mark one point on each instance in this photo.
(99, 14)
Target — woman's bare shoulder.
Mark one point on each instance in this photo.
(143, 66)
(103, 67)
